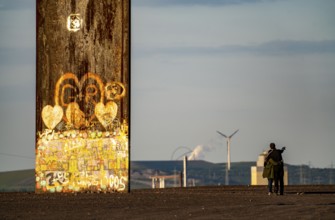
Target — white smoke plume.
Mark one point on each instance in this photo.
(199, 152)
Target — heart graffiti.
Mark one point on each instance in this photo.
(74, 115)
(106, 114)
(52, 115)
(89, 90)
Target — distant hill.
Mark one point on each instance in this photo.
(17, 181)
(199, 173)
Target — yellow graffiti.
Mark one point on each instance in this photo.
(77, 87)
(115, 91)
(52, 115)
(69, 90)
(76, 163)
(80, 157)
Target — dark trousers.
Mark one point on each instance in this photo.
(270, 181)
(279, 179)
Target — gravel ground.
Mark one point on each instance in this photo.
(224, 202)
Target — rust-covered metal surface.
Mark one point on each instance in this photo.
(82, 95)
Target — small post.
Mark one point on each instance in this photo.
(185, 174)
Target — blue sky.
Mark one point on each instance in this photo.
(265, 67)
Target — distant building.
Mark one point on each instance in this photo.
(159, 181)
(257, 171)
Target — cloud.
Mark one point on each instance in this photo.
(296, 47)
(279, 47)
(164, 3)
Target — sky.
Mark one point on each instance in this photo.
(265, 67)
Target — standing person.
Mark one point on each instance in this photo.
(268, 171)
(275, 158)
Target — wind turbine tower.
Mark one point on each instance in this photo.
(228, 138)
(228, 153)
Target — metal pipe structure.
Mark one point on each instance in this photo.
(185, 171)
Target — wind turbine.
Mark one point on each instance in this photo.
(228, 145)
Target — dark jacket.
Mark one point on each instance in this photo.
(268, 171)
(275, 155)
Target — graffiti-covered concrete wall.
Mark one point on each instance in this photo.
(82, 96)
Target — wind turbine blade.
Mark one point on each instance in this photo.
(221, 134)
(233, 133)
